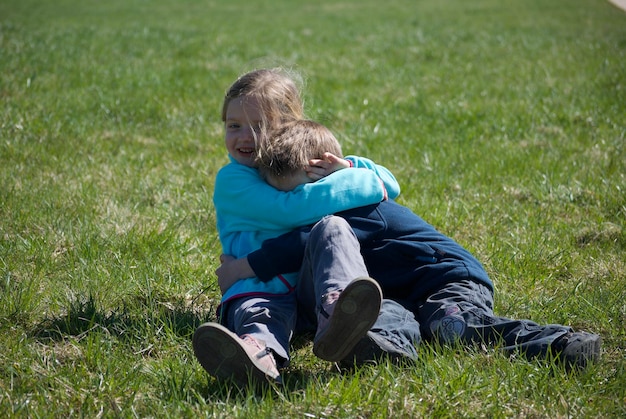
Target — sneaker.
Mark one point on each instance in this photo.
(225, 355)
(345, 317)
(578, 349)
(374, 347)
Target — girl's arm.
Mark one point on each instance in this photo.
(245, 202)
(391, 184)
(283, 254)
(318, 168)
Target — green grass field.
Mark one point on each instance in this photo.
(504, 122)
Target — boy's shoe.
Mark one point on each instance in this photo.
(373, 348)
(578, 349)
(225, 355)
(345, 317)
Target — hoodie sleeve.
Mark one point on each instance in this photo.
(391, 184)
(283, 254)
(245, 202)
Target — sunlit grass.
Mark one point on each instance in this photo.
(503, 122)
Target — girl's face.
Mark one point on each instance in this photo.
(242, 127)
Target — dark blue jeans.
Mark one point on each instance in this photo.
(460, 311)
(269, 319)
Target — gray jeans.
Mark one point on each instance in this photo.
(332, 259)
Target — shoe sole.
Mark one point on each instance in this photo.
(222, 355)
(355, 312)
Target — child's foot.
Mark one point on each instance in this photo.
(578, 349)
(345, 317)
(225, 355)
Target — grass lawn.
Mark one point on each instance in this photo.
(504, 123)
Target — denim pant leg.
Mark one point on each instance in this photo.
(463, 311)
(398, 326)
(270, 319)
(332, 258)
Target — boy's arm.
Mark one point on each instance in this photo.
(283, 254)
(231, 270)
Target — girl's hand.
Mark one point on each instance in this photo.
(318, 168)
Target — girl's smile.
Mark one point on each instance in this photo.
(242, 128)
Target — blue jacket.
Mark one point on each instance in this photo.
(249, 211)
(407, 256)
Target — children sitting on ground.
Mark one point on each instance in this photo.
(441, 283)
(258, 317)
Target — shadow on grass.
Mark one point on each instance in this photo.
(222, 390)
(139, 319)
(295, 381)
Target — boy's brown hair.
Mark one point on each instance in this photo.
(289, 148)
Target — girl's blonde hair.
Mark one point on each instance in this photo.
(289, 148)
(275, 92)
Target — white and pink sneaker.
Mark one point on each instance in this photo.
(225, 355)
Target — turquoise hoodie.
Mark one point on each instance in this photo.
(249, 210)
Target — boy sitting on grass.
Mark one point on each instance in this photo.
(435, 278)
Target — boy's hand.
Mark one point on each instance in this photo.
(231, 271)
(318, 168)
